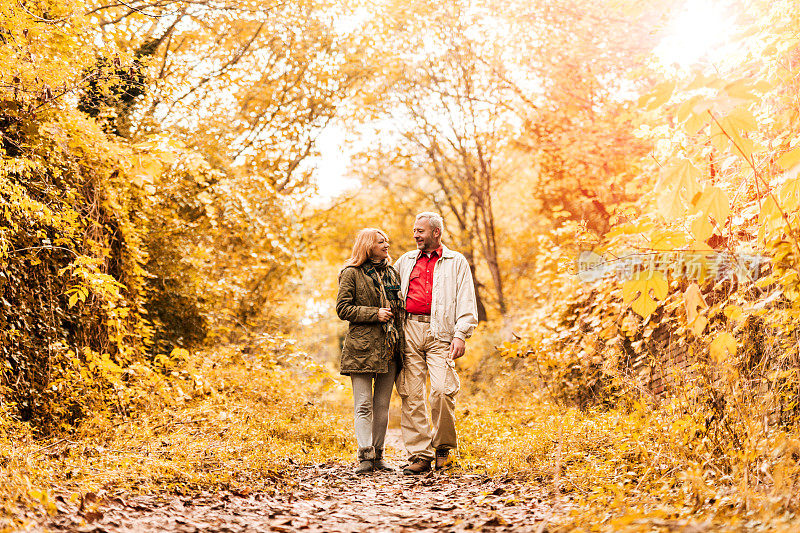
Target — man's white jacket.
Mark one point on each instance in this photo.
(454, 312)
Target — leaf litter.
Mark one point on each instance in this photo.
(322, 497)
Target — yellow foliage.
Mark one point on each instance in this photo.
(638, 464)
(667, 240)
(702, 228)
(734, 312)
(671, 205)
(723, 346)
(770, 214)
(197, 195)
(694, 302)
(713, 201)
(644, 291)
(789, 194)
(219, 420)
(681, 178)
(659, 96)
(789, 159)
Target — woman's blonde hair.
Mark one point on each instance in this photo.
(365, 239)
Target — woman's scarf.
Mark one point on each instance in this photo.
(387, 283)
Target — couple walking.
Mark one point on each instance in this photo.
(407, 322)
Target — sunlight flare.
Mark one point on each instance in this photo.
(699, 32)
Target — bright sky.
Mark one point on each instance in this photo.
(699, 33)
(332, 163)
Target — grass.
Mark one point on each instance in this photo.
(225, 423)
(639, 467)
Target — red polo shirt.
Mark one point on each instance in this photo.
(420, 284)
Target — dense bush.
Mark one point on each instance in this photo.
(70, 267)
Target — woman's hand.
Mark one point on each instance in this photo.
(385, 314)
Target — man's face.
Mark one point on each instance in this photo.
(428, 239)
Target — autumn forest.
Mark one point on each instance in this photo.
(182, 181)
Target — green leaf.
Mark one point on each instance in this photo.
(702, 81)
(769, 210)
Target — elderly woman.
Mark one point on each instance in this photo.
(369, 300)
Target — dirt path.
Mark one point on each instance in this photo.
(330, 498)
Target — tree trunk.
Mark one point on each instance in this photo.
(478, 299)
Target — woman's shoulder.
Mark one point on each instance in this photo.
(349, 272)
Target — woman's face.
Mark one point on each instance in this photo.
(379, 250)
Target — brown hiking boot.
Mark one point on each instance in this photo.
(443, 459)
(417, 467)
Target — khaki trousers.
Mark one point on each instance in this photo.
(426, 356)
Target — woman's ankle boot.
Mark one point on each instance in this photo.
(380, 463)
(366, 458)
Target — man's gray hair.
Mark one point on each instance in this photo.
(434, 219)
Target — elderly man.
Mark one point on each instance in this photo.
(436, 284)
